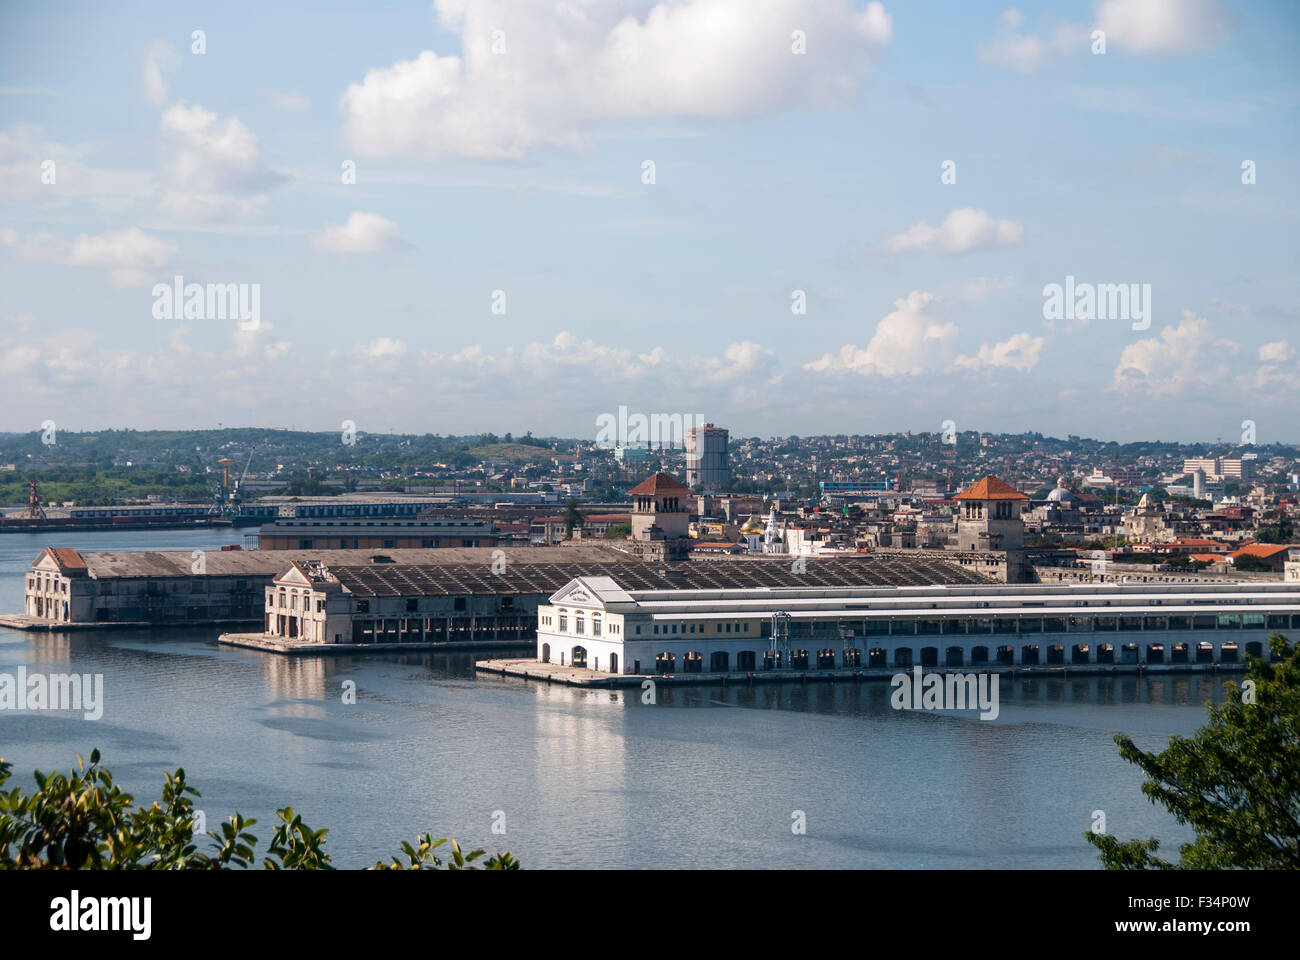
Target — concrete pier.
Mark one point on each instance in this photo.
(531, 669)
(295, 647)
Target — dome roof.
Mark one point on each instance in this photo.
(1062, 495)
(752, 525)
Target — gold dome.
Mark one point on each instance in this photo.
(753, 525)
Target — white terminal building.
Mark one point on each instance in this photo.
(593, 622)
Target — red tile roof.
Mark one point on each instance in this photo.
(67, 558)
(990, 488)
(1261, 550)
(658, 485)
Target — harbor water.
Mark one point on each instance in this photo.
(705, 776)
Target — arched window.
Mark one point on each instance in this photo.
(595, 624)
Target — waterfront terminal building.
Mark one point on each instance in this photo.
(602, 625)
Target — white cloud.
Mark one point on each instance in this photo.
(161, 56)
(1278, 366)
(382, 347)
(131, 255)
(213, 169)
(1164, 26)
(745, 360)
(568, 66)
(1137, 26)
(120, 248)
(1021, 353)
(1026, 52)
(1183, 358)
(362, 233)
(17, 360)
(908, 341)
(963, 230)
(23, 155)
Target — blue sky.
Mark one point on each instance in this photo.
(520, 170)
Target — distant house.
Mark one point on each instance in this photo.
(1273, 554)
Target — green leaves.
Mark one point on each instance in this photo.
(1236, 781)
(422, 857)
(85, 821)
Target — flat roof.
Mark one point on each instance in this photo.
(986, 613)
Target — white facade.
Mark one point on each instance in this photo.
(593, 622)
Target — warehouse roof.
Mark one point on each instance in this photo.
(233, 563)
(409, 580)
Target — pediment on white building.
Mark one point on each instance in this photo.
(593, 592)
(294, 577)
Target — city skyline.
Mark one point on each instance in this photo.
(499, 164)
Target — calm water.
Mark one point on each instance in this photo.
(706, 777)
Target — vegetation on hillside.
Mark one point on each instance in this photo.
(85, 821)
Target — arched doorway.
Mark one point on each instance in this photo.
(719, 661)
(579, 657)
(613, 663)
(546, 653)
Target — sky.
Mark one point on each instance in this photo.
(782, 216)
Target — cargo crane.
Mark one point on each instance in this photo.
(227, 499)
(35, 507)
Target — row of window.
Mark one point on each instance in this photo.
(560, 621)
(978, 625)
(689, 628)
(390, 544)
(993, 625)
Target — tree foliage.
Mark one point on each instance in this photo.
(85, 821)
(1236, 781)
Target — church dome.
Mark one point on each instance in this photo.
(1062, 495)
(752, 525)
